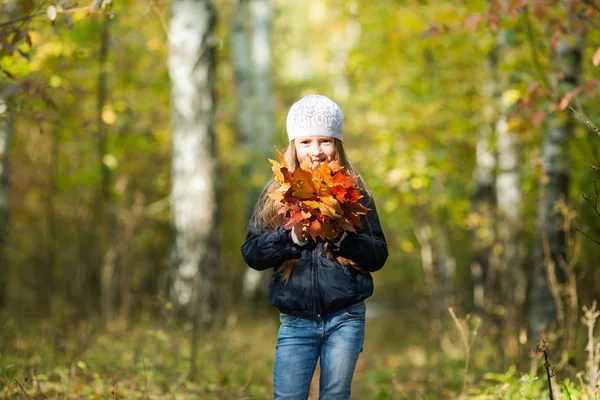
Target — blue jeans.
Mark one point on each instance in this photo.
(337, 339)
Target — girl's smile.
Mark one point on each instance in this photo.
(318, 148)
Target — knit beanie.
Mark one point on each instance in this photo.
(315, 115)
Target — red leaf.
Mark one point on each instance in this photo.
(339, 192)
(591, 87)
(294, 218)
(538, 118)
(353, 194)
(493, 21)
(315, 229)
(569, 96)
(554, 40)
(472, 21)
(596, 57)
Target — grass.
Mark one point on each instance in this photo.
(402, 359)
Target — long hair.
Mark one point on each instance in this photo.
(265, 217)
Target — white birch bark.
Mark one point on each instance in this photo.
(261, 12)
(483, 198)
(509, 228)
(261, 139)
(194, 203)
(544, 299)
(340, 45)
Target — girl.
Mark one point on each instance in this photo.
(319, 287)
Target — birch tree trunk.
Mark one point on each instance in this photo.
(545, 310)
(341, 43)
(439, 265)
(483, 199)
(261, 138)
(6, 136)
(261, 12)
(194, 202)
(511, 286)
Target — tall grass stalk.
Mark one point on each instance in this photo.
(593, 348)
(467, 344)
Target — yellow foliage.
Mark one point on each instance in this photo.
(108, 115)
(110, 161)
(510, 97)
(407, 246)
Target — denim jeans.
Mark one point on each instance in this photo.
(336, 339)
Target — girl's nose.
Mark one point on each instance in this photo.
(315, 150)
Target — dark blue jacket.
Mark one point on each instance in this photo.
(318, 284)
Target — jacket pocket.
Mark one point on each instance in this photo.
(291, 295)
(337, 285)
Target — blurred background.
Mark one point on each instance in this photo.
(134, 142)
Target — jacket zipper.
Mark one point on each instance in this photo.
(316, 282)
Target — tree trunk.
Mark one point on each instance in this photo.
(341, 43)
(545, 303)
(483, 199)
(6, 136)
(109, 281)
(194, 202)
(439, 266)
(511, 281)
(261, 138)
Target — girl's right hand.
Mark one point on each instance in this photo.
(303, 239)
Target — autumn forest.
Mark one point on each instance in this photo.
(135, 138)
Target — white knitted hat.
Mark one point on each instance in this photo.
(315, 115)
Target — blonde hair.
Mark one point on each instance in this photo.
(265, 217)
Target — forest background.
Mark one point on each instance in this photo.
(134, 138)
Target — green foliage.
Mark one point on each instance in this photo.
(237, 362)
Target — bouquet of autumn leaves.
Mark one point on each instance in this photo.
(322, 200)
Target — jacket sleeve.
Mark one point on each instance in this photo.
(367, 247)
(269, 249)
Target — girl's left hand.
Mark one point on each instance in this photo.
(303, 240)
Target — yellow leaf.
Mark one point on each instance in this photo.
(110, 161)
(303, 180)
(510, 97)
(55, 81)
(416, 183)
(108, 115)
(277, 171)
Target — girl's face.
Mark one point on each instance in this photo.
(318, 148)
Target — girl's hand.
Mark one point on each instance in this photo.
(338, 239)
(303, 239)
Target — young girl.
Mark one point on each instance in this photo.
(318, 286)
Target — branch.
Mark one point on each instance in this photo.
(26, 395)
(95, 5)
(590, 125)
(25, 18)
(160, 15)
(534, 55)
(584, 234)
(589, 201)
(592, 3)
